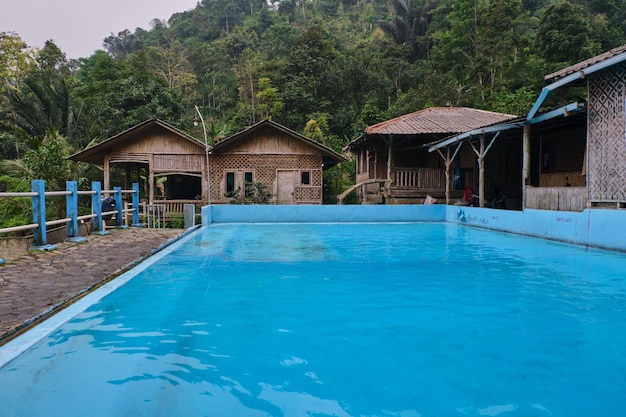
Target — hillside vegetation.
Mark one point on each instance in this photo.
(325, 68)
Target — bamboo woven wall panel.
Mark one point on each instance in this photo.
(264, 168)
(308, 194)
(178, 163)
(117, 157)
(606, 175)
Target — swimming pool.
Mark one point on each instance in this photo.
(414, 319)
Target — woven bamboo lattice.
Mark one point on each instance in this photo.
(606, 175)
(308, 194)
(264, 169)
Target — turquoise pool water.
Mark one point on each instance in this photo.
(342, 320)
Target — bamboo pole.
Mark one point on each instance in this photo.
(525, 163)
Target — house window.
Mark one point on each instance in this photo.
(230, 183)
(236, 182)
(305, 178)
(247, 179)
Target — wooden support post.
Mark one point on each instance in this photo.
(481, 153)
(481, 172)
(525, 163)
(448, 163)
(447, 160)
(151, 184)
(389, 168)
(127, 179)
(107, 172)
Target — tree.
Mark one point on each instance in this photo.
(122, 45)
(268, 99)
(168, 60)
(247, 74)
(564, 35)
(482, 42)
(38, 106)
(114, 96)
(310, 67)
(409, 25)
(41, 102)
(16, 61)
(47, 162)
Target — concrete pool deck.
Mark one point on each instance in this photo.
(38, 283)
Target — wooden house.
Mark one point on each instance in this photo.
(173, 168)
(169, 165)
(393, 163)
(567, 158)
(588, 162)
(288, 164)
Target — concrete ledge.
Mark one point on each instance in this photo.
(593, 227)
(322, 214)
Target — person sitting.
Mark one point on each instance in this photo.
(469, 198)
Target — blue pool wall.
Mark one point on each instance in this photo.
(593, 227)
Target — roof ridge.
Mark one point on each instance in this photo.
(586, 63)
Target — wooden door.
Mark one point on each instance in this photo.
(285, 187)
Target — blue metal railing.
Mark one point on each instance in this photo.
(40, 223)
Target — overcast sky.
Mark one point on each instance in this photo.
(78, 27)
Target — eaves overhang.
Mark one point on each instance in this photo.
(564, 111)
(574, 76)
(475, 132)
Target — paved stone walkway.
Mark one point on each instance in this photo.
(41, 281)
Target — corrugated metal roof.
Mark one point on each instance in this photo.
(584, 64)
(438, 120)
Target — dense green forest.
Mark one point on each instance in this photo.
(325, 68)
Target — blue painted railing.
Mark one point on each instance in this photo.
(38, 196)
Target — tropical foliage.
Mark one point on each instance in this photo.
(325, 68)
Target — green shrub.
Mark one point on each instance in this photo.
(255, 193)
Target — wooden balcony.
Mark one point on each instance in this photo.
(417, 182)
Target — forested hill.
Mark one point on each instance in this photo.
(327, 68)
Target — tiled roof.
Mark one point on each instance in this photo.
(584, 64)
(438, 120)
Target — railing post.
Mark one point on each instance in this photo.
(119, 204)
(39, 216)
(71, 207)
(135, 198)
(96, 208)
(39, 211)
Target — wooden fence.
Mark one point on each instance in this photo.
(556, 198)
(417, 182)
